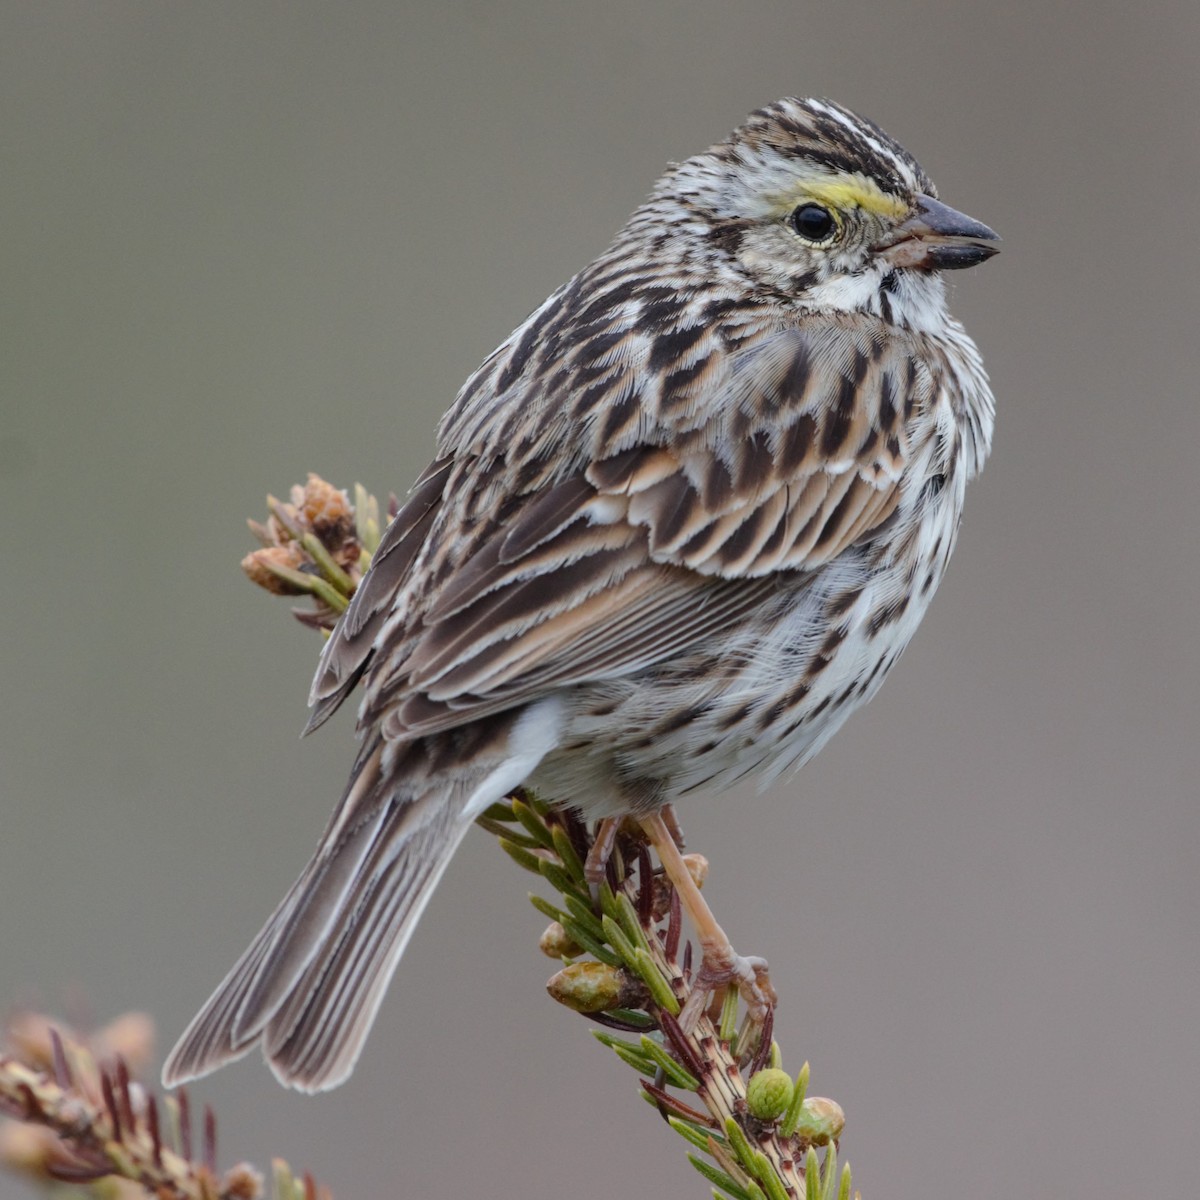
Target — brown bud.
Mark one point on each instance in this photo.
(258, 563)
(130, 1036)
(697, 866)
(242, 1182)
(30, 1149)
(555, 943)
(590, 987)
(29, 1036)
(329, 514)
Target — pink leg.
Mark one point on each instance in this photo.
(719, 964)
(596, 864)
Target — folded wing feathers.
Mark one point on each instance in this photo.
(561, 588)
(349, 650)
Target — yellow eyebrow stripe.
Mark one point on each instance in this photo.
(848, 191)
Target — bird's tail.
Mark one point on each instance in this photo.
(310, 984)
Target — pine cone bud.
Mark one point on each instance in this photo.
(329, 514)
(769, 1093)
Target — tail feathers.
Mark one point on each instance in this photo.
(209, 1040)
(315, 1037)
(309, 986)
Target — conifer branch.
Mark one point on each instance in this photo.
(77, 1115)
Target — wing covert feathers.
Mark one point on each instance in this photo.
(547, 564)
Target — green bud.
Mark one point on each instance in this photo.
(589, 987)
(769, 1093)
(821, 1120)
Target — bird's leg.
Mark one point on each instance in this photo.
(671, 821)
(595, 866)
(719, 963)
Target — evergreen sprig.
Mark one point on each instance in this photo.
(753, 1131)
(78, 1117)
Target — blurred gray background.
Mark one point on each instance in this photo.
(243, 241)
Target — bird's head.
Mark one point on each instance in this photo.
(816, 204)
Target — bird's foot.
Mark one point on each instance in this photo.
(721, 966)
(595, 866)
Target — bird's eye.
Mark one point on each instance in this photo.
(813, 222)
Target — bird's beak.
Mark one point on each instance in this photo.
(939, 238)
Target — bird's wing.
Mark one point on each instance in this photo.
(800, 458)
(349, 648)
(689, 523)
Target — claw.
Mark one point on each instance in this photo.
(721, 966)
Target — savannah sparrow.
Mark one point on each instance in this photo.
(679, 526)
